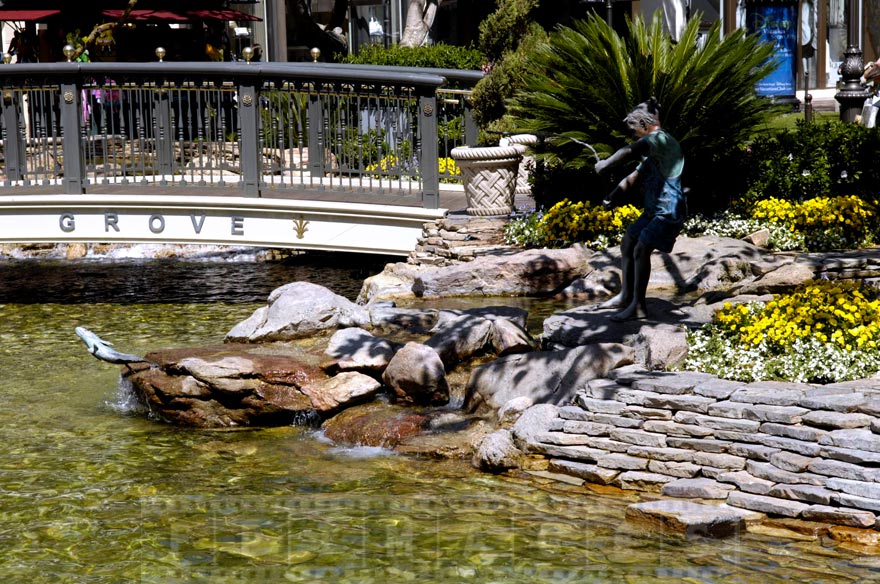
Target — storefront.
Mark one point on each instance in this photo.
(819, 26)
(189, 30)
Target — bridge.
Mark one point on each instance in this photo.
(297, 155)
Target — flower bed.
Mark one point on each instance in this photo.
(824, 331)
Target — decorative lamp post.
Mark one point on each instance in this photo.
(851, 95)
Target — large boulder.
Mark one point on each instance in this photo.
(354, 349)
(458, 339)
(385, 316)
(547, 377)
(589, 324)
(375, 424)
(395, 281)
(340, 391)
(661, 346)
(298, 310)
(497, 452)
(532, 272)
(417, 375)
(533, 422)
(232, 385)
(705, 263)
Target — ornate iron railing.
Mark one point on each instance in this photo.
(258, 127)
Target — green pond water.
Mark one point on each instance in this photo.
(93, 491)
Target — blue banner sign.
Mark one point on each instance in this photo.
(776, 24)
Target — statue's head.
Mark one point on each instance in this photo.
(644, 115)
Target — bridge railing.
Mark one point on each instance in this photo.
(259, 128)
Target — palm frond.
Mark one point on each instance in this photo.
(585, 78)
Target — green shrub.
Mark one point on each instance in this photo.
(586, 78)
(507, 36)
(439, 56)
(831, 159)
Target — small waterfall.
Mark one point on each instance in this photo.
(125, 400)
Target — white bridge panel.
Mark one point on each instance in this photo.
(355, 227)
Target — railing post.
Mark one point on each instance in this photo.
(471, 132)
(71, 134)
(249, 118)
(14, 148)
(316, 135)
(164, 132)
(428, 138)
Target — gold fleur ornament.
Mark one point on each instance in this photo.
(300, 226)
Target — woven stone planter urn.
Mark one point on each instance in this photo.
(489, 175)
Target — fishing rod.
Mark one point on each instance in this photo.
(606, 202)
(544, 135)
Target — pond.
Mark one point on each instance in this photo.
(95, 491)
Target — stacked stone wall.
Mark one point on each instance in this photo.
(460, 238)
(786, 449)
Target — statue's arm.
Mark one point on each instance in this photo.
(637, 148)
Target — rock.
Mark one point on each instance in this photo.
(532, 272)
(76, 251)
(661, 346)
(546, 377)
(699, 488)
(395, 281)
(590, 473)
(865, 537)
(513, 314)
(509, 338)
(840, 516)
(354, 349)
(779, 280)
(232, 385)
(298, 310)
(699, 263)
(497, 452)
(510, 412)
(375, 424)
(763, 504)
(447, 439)
(533, 422)
(460, 338)
(342, 390)
(386, 316)
(589, 324)
(416, 374)
(716, 263)
(760, 238)
(691, 518)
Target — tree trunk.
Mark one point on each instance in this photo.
(419, 20)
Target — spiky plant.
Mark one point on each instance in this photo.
(586, 78)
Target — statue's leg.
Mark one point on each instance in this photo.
(627, 248)
(638, 307)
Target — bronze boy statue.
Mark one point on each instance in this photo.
(659, 177)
